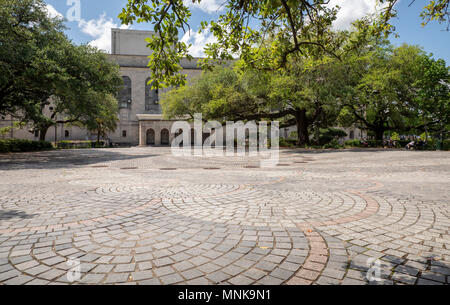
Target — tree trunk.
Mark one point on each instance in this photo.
(42, 133)
(302, 128)
(98, 136)
(379, 133)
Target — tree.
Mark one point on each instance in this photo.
(293, 25)
(81, 78)
(433, 96)
(303, 96)
(46, 79)
(105, 119)
(25, 31)
(381, 95)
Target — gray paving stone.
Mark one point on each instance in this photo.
(142, 275)
(92, 278)
(18, 280)
(125, 268)
(192, 273)
(240, 280)
(150, 282)
(171, 279)
(117, 278)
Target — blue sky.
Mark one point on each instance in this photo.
(99, 16)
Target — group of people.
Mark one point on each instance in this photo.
(417, 144)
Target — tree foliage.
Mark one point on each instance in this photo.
(292, 26)
(45, 79)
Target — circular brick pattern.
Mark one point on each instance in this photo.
(317, 219)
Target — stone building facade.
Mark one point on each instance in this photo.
(141, 121)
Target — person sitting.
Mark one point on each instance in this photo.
(410, 145)
(420, 144)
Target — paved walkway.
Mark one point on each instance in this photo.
(142, 216)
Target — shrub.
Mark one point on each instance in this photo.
(353, 143)
(18, 145)
(293, 135)
(334, 144)
(287, 142)
(446, 145)
(395, 137)
(375, 143)
(327, 135)
(80, 144)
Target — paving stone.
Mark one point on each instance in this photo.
(37, 270)
(142, 275)
(407, 270)
(240, 280)
(125, 268)
(270, 280)
(18, 280)
(423, 281)
(324, 280)
(218, 277)
(92, 278)
(171, 278)
(52, 274)
(433, 276)
(117, 278)
(102, 268)
(150, 282)
(8, 275)
(404, 278)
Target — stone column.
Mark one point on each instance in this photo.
(157, 135)
(142, 134)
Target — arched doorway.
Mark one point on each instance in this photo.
(164, 137)
(150, 137)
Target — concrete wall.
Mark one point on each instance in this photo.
(130, 42)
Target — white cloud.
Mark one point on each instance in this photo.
(52, 12)
(351, 10)
(198, 41)
(100, 30)
(208, 6)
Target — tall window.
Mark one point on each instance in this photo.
(151, 98)
(125, 93)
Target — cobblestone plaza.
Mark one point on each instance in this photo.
(142, 216)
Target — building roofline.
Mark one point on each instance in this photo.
(127, 30)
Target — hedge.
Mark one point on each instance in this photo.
(80, 144)
(17, 145)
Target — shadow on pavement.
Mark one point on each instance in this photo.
(66, 158)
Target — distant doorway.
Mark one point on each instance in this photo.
(164, 137)
(150, 137)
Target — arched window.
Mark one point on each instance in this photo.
(165, 137)
(125, 93)
(150, 137)
(151, 98)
